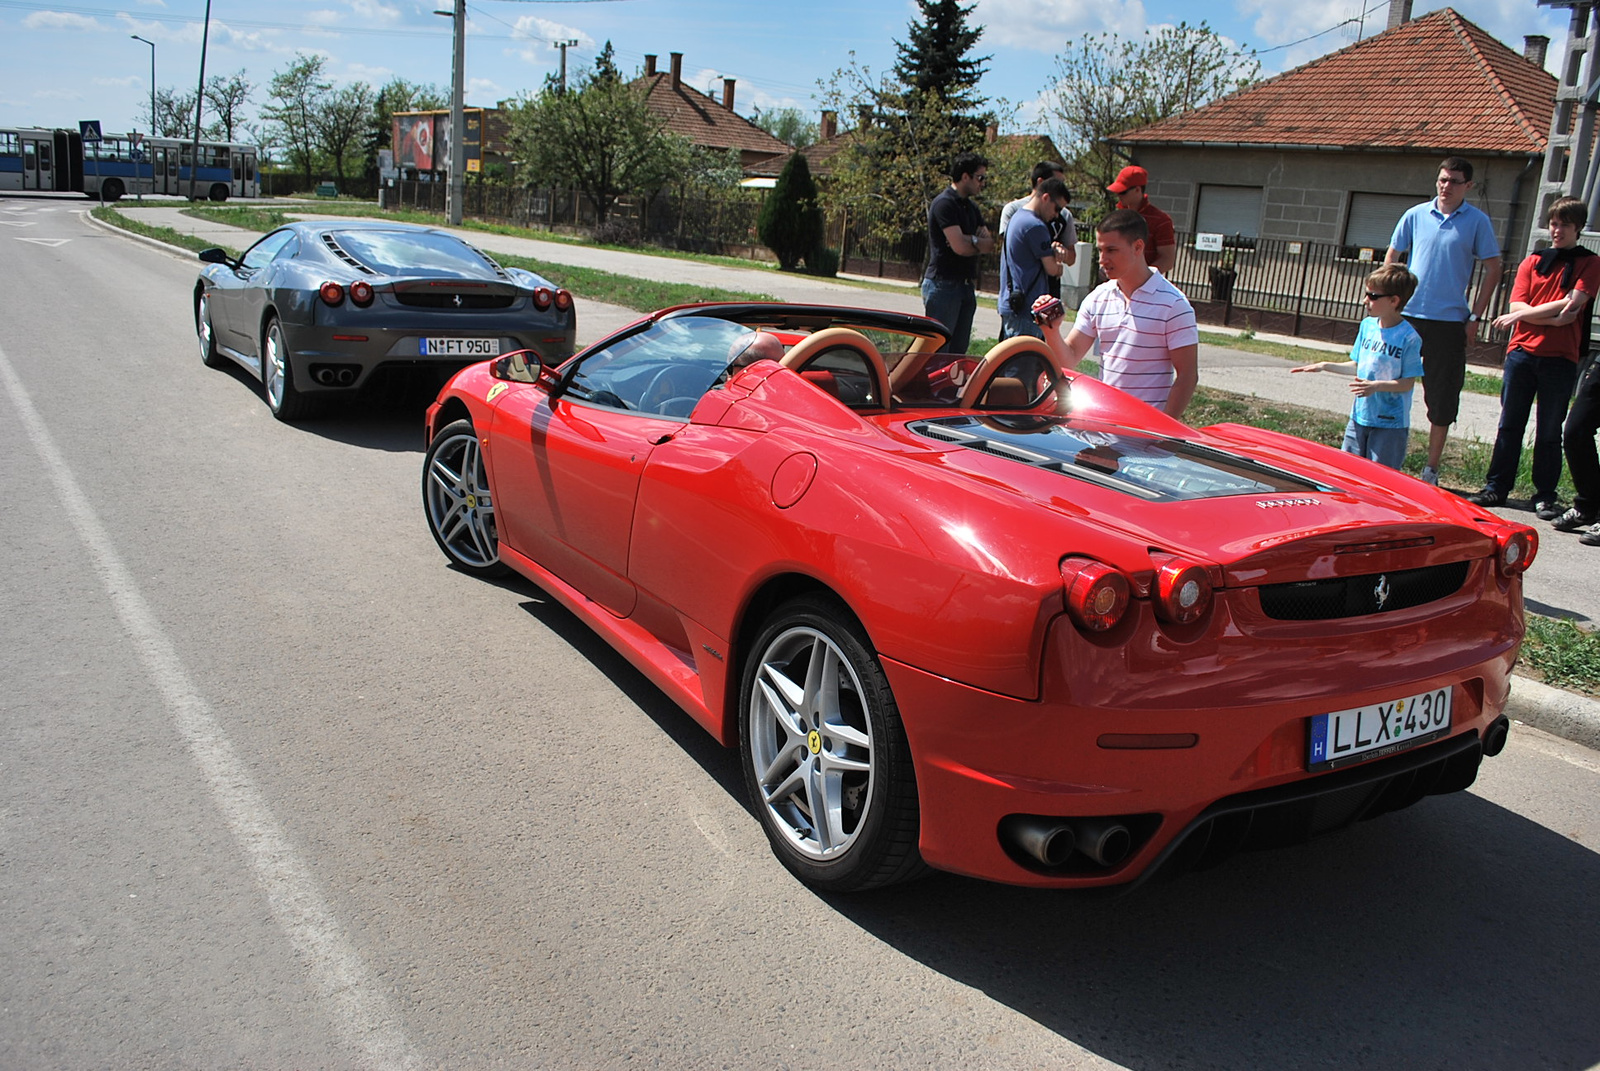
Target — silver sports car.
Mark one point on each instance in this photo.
(316, 307)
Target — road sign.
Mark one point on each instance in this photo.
(89, 129)
(136, 155)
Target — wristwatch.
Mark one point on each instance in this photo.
(1472, 318)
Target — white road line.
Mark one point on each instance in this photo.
(360, 1011)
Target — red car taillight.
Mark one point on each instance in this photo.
(332, 293)
(563, 300)
(361, 293)
(1182, 591)
(1517, 549)
(1096, 594)
(542, 298)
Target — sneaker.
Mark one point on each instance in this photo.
(1591, 537)
(1572, 520)
(1429, 475)
(1487, 497)
(1548, 510)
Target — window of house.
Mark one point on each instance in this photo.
(1231, 211)
(1372, 219)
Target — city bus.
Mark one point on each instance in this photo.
(118, 164)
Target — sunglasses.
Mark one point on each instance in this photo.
(1373, 295)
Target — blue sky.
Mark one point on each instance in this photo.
(71, 61)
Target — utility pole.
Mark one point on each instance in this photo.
(458, 115)
(155, 129)
(199, 101)
(563, 46)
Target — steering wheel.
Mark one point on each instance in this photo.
(659, 390)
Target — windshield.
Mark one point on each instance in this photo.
(414, 253)
(1146, 466)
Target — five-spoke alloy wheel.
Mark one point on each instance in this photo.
(277, 377)
(455, 495)
(825, 757)
(206, 333)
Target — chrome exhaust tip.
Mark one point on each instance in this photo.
(1106, 841)
(1049, 840)
(347, 376)
(1494, 737)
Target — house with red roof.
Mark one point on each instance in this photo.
(1335, 150)
(703, 120)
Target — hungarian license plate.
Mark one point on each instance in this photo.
(461, 347)
(1368, 732)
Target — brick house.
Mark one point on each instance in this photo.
(1335, 150)
(703, 120)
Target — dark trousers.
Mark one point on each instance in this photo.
(1583, 462)
(1526, 379)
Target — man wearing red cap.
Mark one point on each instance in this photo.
(1162, 250)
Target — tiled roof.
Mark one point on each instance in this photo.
(819, 156)
(705, 121)
(1437, 83)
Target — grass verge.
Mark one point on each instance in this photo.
(1564, 655)
(107, 214)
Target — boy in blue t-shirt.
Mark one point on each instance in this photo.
(1386, 361)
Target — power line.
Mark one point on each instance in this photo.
(1322, 33)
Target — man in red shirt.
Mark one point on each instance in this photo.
(1549, 308)
(1162, 250)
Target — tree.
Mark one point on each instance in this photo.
(788, 125)
(1107, 85)
(174, 113)
(397, 95)
(340, 124)
(936, 60)
(791, 223)
(227, 96)
(598, 136)
(296, 92)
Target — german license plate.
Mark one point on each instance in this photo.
(461, 347)
(1368, 732)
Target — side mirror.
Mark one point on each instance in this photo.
(214, 256)
(518, 366)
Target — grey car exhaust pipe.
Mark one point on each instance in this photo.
(347, 376)
(1104, 840)
(1049, 840)
(325, 376)
(1494, 737)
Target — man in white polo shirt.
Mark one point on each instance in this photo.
(1149, 343)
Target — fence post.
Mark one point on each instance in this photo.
(1300, 290)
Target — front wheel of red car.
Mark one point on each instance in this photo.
(455, 496)
(825, 757)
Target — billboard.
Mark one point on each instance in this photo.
(413, 140)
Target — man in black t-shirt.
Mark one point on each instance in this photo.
(956, 235)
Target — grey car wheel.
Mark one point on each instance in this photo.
(456, 498)
(277, 377)
(825, 757)
(206, 333)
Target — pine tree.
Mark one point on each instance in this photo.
(791, 223)
(936, 57)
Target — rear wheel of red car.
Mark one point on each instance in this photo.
(825, 757)
(206, 333)
(455, 496)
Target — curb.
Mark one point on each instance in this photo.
(1565, 714)
(1561, 713)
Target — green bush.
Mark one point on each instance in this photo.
(791, 222)
(822, 261)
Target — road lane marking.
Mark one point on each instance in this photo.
(362, 1014)
(51, 242)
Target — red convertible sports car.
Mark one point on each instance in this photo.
(984, 615)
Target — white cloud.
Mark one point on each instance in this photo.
(362, 72)
(1036, 27)
(152, 3)
(480, 89)
(122, 83)
(62, 20)
(372, 12)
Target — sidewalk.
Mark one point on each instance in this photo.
(1568, 585)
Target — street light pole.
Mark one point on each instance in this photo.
(563, 46)
(458, 115)
(153, 131)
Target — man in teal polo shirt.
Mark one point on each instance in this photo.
(1441, 241)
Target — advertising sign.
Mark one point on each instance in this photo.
(413, 140)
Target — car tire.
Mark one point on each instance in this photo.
(219, 192)
(819, 731)
(456, 500)
(111, 190)
(210, 356)
(285, 400)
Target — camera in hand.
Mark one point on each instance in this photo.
(1047, 308)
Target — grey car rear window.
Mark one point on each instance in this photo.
(413, 253)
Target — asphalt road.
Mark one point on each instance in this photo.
(280, 789)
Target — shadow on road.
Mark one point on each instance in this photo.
(386, 416)
(1449, 935)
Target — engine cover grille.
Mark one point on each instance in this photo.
(1356, 596)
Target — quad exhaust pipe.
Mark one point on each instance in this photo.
(1052, 841)
(330, 377)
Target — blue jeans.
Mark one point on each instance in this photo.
(1527, 378)
(1386, 446)
(953, 304)
(1013, 324)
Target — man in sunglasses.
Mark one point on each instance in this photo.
(1441, 241)
(956, 236)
